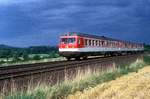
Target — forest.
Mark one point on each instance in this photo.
(8, 53)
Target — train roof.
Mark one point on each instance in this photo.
(90, 36)
(95, 36)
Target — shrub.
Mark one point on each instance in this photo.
(147, 59)
(36, 57)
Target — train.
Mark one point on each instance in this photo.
(81, 45)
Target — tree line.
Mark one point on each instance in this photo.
(146, 47)
(16, 53)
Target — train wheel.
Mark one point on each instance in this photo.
(68, 58)
(85, 57)
(106, 55)
(77, 58)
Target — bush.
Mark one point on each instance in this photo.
(25, 56)
(36, 57)
(2, 62)
(147, 59)
(53, 54)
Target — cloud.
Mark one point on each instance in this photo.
(37, 18)
(10, 2)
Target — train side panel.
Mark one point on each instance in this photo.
(82, 46)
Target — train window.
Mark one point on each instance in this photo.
(96, 42)
(89, 42)
(64, 40)
(100, 43)
(68, 40)
(71, 40)
(93, 42)
(86, 42)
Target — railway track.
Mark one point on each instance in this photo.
(9, 72)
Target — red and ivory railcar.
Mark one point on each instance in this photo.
(76, 45)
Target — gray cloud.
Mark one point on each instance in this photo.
(116, 18)
(11, 2)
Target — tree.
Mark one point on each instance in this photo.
(16, 57)
(36, 57)
(2, 62)
(25, 56)
(53, 54)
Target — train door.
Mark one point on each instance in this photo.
(80, 42)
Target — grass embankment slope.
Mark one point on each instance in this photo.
(131, 86)
(62, 90)
(80, 84)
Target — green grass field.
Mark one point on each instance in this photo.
(33, 58)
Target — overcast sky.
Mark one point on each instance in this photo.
(41, 22)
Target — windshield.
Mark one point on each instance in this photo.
(68, 40)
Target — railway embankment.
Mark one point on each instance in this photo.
(60, 91)
(135, 85)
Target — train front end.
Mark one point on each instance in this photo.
(70, 45)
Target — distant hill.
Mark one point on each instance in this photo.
(41, 49)
(2, 46)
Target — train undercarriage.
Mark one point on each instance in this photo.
(85, 55)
